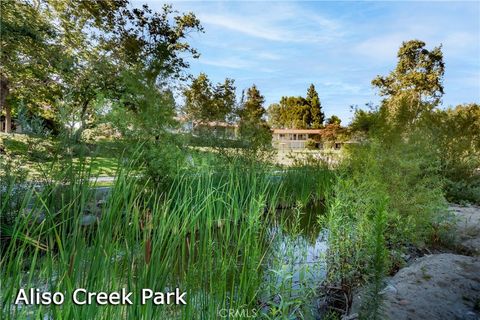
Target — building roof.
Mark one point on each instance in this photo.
(308, 131)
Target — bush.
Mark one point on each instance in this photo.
(456, 133)
(388, 195)
(311, 144)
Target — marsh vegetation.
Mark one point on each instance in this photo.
(201, 208)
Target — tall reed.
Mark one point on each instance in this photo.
(206, 235)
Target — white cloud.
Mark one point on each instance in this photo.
(232, 63)
(460, 42)
(268, 56)
(382, 48)
(335, 87)
(243, 26)
(285, 23)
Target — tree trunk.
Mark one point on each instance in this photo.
(3, 103)
(8, 119)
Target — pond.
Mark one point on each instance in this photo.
(296, 265)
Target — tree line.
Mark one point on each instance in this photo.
(68, 62)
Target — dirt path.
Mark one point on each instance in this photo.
(440, 286)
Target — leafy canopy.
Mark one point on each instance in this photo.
(415, 87)
(205, 102)
(253, 128)
(297, 112)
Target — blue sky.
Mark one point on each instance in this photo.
(340, 47)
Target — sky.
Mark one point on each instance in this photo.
(283, 47)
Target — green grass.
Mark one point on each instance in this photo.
(99, 166)
(37, 154)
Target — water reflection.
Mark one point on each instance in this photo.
(296, 263)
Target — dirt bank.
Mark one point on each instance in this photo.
(439, 286)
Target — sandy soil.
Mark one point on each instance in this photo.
(439, 286)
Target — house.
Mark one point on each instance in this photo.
(298, 139)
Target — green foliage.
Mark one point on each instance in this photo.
(317, 115)
(388, 195)
(334, 120)
(418, 69)
(297, 112)
(416, 84)
(205, 102)
(311, 144)
(372, 308)
(205, 235)
(365, 121)
(254, 130)
(149, 123)
(305, 184)
(456, 133)
(449, 137)
(30, 57)
(390, 191)
(412, 92)
(77, 53)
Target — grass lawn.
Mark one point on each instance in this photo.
(36, 155)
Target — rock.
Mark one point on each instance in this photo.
(438, 286)
(101, 203)
(88, 220)
(352, 316)
(36, 214)
(389, 289)
(467, 226)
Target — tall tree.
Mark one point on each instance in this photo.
(205, 102)
(290, 112)
(253, 127)
(225, 100)
(29, 56)
(140, 42)
(252, 109)
(99, 41)
(416, 84)
(276, 115)
(198, 99)
(297, 112)
(317, 115)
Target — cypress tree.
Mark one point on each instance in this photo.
(317, 115)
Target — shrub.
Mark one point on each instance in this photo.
(310, 144)
(456, 133)
(388, 194)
